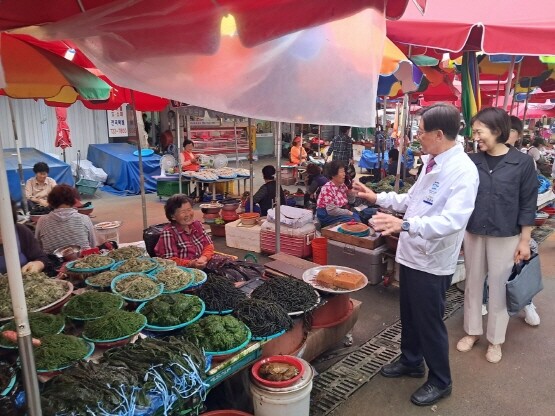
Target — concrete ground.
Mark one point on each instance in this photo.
(521, 384)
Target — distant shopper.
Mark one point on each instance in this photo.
(315, 180)
(342, 146)
(499, 231)
(393, 160)
(38, 187)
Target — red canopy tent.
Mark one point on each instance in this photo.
(523, 27)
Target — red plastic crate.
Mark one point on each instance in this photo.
(295, 246)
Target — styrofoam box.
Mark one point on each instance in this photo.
(241, 237)
(370, 262)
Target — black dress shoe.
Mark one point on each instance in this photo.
(429, 394)
(399, 369)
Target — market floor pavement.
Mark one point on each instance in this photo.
(521, 384)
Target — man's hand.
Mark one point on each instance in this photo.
(364, 192)
(522, 251)
(33, 267)
(387, 224)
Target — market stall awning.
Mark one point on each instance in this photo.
(518, 27)
(184, 51)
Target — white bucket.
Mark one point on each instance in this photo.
(107, 231)
(288, 401)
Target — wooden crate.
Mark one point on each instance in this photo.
(370, 242)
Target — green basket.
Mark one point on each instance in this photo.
(87, 187)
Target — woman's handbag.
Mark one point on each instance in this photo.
(523, 284)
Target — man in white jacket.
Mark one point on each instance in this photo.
(435, 211)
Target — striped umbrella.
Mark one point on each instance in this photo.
(470, 92)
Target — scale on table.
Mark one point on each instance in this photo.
(167, 162)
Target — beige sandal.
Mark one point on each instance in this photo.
(494, 353)
(466, 343)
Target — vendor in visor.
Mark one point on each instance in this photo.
(298, 154)
(184, 240)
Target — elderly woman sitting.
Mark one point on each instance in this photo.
(184, 240)
(64, 226)
(334, 197)
(31, 256)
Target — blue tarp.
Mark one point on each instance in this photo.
(59, 170)
(369, 160)
(122, 167)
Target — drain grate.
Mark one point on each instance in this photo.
(335, 385)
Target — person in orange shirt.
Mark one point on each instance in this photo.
(189, 161)
(298, 153)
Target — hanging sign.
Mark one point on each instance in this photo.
(117, 122)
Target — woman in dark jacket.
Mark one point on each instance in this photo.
(315, 180)
(499, 231)
(266, 195)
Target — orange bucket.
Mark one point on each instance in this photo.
(320, 250)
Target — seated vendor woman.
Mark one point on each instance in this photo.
(38, 187)
(31, 257)
(64, 226)
(298, 154)
(189, 161)
(331, 207)
(184, 240)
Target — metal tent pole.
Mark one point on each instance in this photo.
(509, 82)
(19, 163)
(236, 143)
(516, 83)
(277, 136)
(141, 171)
(319, 141)
(177, 139)
(17, 294)
(402, 115)
(251, 165)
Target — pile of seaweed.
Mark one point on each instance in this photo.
(150, 374)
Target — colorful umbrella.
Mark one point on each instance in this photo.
(470, 94)
(32, 72)
(397, 72)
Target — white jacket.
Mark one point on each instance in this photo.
(438, 208)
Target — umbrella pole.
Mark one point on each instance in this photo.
(509, 82)
(251, 165)
(514, 90)
(402, 123)
(319, 140)
(19, 163)
(526, 104)
(177, 131)
(17, 294)
(141, 171)
(277, 137)
(236, 143)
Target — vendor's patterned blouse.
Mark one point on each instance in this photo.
(331, 194)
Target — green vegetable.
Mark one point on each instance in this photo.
(103, 279)
(92, 305)
(59, 350)
(264, 318)
(292, 294)
(220, 294)
(172, 309)
(173, 278)
(40, 291)
(136, 265)
(125, 253)
(217, 333)
(115, 324)
(137, 287)
(199, 275)
(41, 324)
(164, 262)
(127, 372)
(93, 261)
